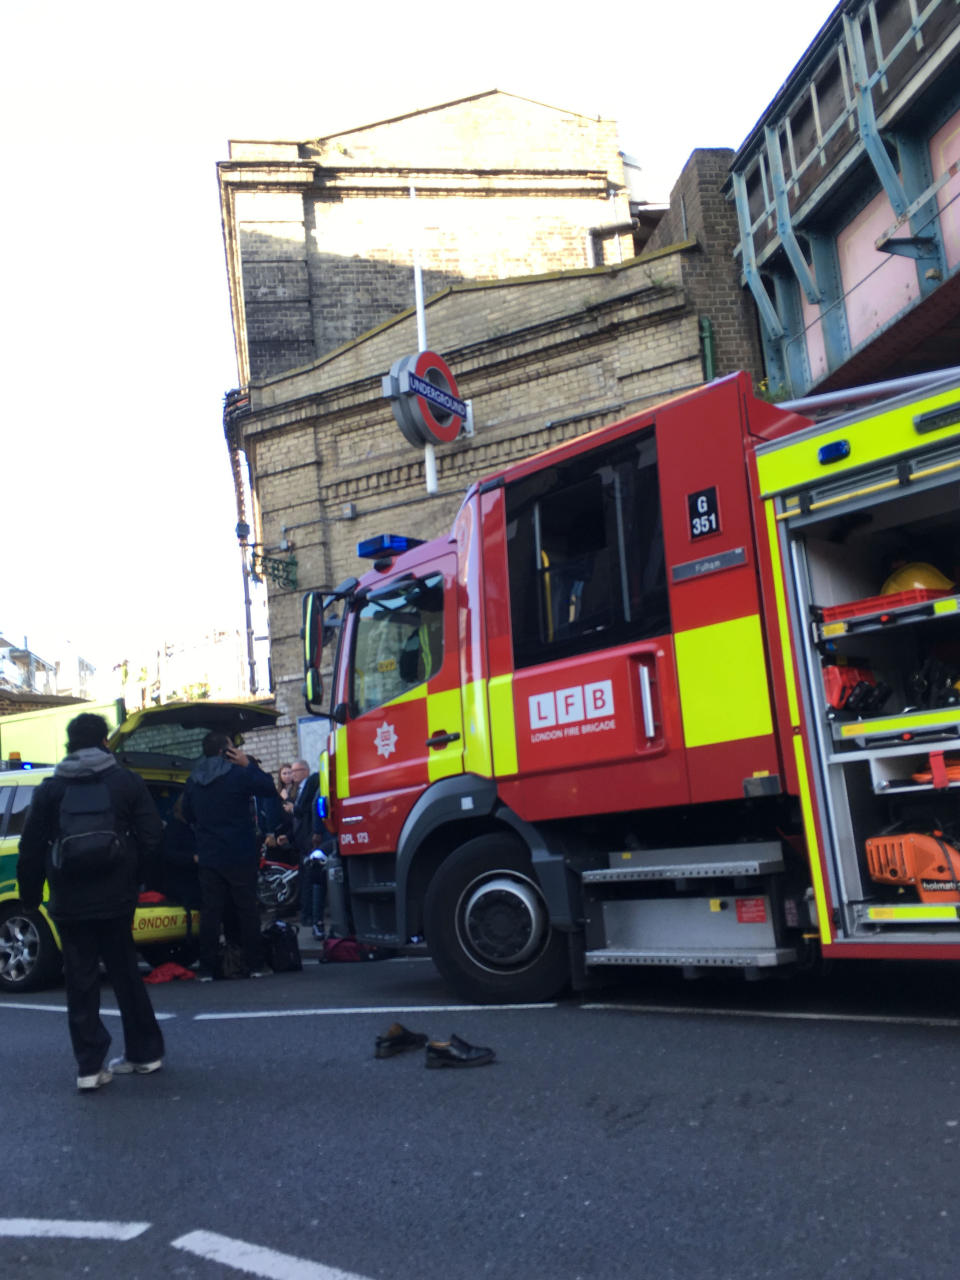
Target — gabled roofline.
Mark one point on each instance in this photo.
(442, 106)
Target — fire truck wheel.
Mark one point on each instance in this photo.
(488, 928)
(29, 956)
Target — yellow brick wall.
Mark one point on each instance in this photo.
(541, 361)
(321, 235)
(545, 347)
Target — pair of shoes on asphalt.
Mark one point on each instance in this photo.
(118, 1067)
(440, 1053)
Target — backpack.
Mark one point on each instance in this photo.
(89, 843)
(281, 948)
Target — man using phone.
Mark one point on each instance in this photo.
(217, 804)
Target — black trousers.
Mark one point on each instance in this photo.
(85, 943)
(222, 888)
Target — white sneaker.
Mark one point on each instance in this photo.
(121, 1067)
(103, 1076)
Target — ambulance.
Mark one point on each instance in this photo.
(162, 744)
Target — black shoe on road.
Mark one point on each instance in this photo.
(396, 1040)
(457, 1053)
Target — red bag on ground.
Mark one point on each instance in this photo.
(167, 972)
(349, 949)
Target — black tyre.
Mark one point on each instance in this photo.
(29, 956)
(488, 928)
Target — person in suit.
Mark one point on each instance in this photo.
(309, 837)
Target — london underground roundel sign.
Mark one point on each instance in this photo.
(426, 401)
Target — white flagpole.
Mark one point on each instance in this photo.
(429, 453)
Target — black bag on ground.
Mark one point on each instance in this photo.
(89, 843)
(232, 962)
(281, 948)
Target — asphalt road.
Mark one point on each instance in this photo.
(653, 1130)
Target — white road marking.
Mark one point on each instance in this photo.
(50, 1228)
(786, 1015)
(257, 1260)
(392, 1009)
(62, 1008)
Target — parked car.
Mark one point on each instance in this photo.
(162, 744)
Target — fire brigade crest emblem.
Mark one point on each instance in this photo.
(386, 740)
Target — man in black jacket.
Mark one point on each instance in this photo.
(218, 805)
(93, 910)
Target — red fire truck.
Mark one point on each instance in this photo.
(683, 691)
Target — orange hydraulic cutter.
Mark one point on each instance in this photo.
(926, 862)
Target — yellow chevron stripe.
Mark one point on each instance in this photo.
(444, 715)
(477, 744)
(341, 762)
(722, 675)
(503, 728)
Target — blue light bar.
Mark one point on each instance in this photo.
(323, 807)
(385, 544)
(834, 451)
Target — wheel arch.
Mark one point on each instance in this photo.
(13, 899)
(34, 948)
(450, 813)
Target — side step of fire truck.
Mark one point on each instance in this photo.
(711, 906)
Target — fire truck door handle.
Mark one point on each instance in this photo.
(441, 739)
(646, 699)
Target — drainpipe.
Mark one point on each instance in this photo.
(707, 349)
(236, 404)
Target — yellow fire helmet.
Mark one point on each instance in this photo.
(916, 576)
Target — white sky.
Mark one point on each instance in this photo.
(116, 503)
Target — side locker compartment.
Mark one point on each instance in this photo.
(719, 899)
(722, 664)
(867, 515)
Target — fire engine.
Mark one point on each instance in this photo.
(682, 691)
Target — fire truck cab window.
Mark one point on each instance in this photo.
(585, 553)
(398, 642)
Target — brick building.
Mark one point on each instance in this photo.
(548, 317)
(320, 234)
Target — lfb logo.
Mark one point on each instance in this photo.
(568, 706)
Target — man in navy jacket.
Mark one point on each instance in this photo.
(218, 804)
